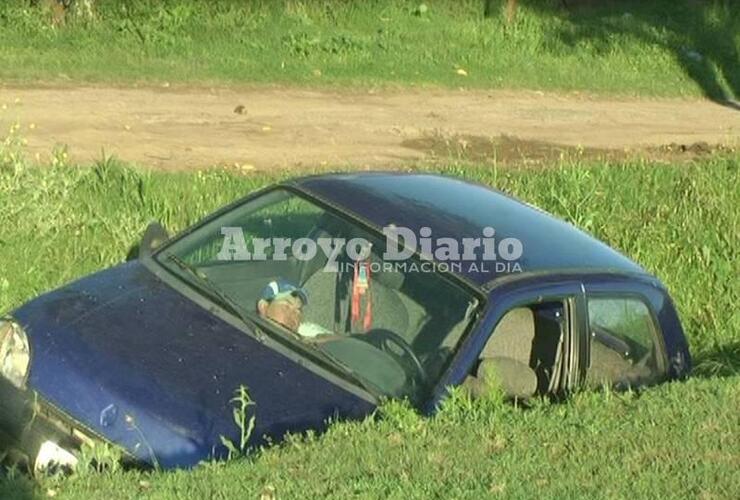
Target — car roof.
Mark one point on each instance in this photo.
(458, 209)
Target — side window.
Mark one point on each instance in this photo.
(529, 352)
(624, 350)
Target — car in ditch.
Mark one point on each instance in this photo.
(318, 298)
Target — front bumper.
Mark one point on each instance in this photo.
(28, 423)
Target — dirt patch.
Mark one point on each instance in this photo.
(182, 128)
(504, 149)
(695, 149)
(507, 150)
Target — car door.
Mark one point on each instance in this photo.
(557, 302)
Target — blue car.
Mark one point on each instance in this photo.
(317, 298)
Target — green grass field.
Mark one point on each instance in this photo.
(661, 47)
(60, 221)
(681, 439)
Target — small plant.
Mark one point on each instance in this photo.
(401, 416)
(242, 401)
(98, 457)
(60, 156)
(131, 425)
(421, 9)
(12, 150)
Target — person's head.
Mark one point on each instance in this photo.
(282, 302)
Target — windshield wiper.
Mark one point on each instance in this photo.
(211, 288)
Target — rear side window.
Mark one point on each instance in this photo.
(624, 346)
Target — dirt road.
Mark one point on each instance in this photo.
(277, 128)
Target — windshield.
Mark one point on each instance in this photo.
(305, 273)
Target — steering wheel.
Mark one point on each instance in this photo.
(385, 340)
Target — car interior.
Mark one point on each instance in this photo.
(531, 352)
(412, 316)
(412, 313)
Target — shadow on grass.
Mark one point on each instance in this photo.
(723, 361)
(701, 34)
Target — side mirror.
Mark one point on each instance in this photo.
(154, 236)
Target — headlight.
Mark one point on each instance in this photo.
(14, 353)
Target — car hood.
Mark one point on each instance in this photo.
(139, 363)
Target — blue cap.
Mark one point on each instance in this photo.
(280, 288)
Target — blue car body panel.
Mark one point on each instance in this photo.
(141, 364)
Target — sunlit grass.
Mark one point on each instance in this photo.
(673, 441)
(662, 47)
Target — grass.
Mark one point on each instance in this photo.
(662, 47)
(680, 439)
(675, 441)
